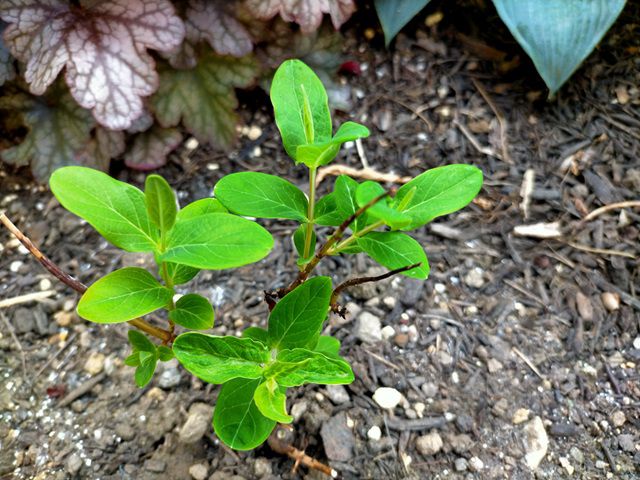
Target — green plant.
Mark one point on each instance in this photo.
(557, 34)
(256, 369)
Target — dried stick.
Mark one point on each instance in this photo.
(501, 121)
(330, 242)
(26, 298)
(78, 286)
(612, 206)
(357, 281)
(280, 446)
(364, 173)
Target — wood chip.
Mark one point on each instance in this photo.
(539, 230)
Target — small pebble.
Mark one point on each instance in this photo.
(198, 471)
(15, 266)
(262, 467)
(390, 302)
(460, 464)
(73, 464)
(474, 278)
(494, 365)
(636, 343)
(429, 389)
(611, 301)
(169, 378)
(564, 463)
(45, 284)
(520, 415)
(577, 454)
(429, 444)
(444, 358)
(618, 418)
(601, 464)
(374, 433)
(197, 423)
(155, 466)
(388, 332)
(368, 328)
(401, 340)
(475, 464)
(387, 397)
(95, 363)
(337, 394)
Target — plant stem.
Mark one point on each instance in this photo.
(345, 243)
(76, 285)
(310, 211)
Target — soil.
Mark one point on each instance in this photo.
(516, 347)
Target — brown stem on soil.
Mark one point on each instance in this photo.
(78, 286)
(330, 242)
(357, 281)
(279, 445)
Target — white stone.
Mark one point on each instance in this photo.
(374, 433)
(536, 442)
(493, 365)
(198, 471)
(618, 418)
(390, 302)
(388, 332)
(337, 394)
(636, 343)
(95, 363)
(387, 397)
(15, 266)
(197, 424)
(429, 444)
(520, 415)
(564, 462)
(475, 278)
(45, 284)
(475, 464)
(368, 328)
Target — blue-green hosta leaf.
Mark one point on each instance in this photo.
(367, 192)
(300, 106)
(123, 295)
(160, 202)
(437, 192)
(297, 319)
(311, 367)
(396, 250)
(395, 14)
(115, 209)
(217, 241)
(236, 418)
(261, 195)
(271, 400)
(558, 34)
(201, 207)
(220, 359)
(193, 312)
(203, 97)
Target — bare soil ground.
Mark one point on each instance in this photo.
(516, 347)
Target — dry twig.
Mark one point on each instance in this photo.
(612, 206)
(26, 298)
(278, 444)
(364, 173)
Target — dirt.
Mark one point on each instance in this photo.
(516, 350)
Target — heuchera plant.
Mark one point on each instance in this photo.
(256, 369)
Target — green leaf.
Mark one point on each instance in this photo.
(297, 319)
(256, 333)
(123, 295)
(558, 34)
(344, 192)
(272, 401)
(133, 360)
(165, 353)
(115, 209)
(216, 241)
(203, 97)
(299, 238)
(350, 131)
(318, 154)
(161, 202)
(261, 195)
(437, 192)
(193, 312)
(395, 14)
(328, 346)
(144, 372)
(312, 367)
(139, 342)
(179, 274)
(236, 418)
(201, 207)
(367, 192)
(300, 106)
(326, 212)
(396, 250)
(219, 359)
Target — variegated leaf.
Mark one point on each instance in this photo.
(102, 45)
(7, 70)
(213, 21)
(150, 149)
(307, 13)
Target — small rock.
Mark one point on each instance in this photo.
(460, 464)
(636, 343)
(520, 415)
(23, 320)
(494, 365)
(390, 302)
(611, 301)
(338, 439)
(474, 278)
(429, 444)
(601, 464)
(429, 389)
(388, 332)
(618, 418)
(401, 340)
(475, 464)
(45, 284)
(95, 363)
(374, 433)
(564, 463)
(536, 442)
(73, 464)
(337, 394)
(125, 431)
(368, 328)
(198, 471)
(15, 266)
(262, 467)
(444, 358)
(577, 454)
(299, 409)
(626, 442)
(155, 466)
(461, 443)
(169, 378)
(63, 318)
(464, 423)
(387, 397)
(197, 423)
